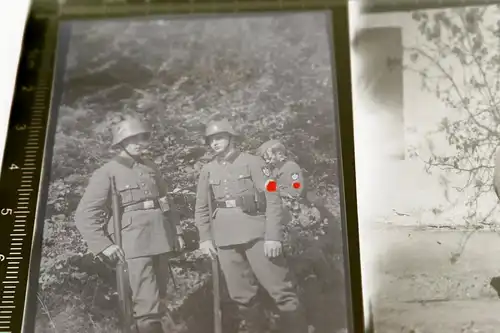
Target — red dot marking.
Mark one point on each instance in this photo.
(271, 186)
(296, 184)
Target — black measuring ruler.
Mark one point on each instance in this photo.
(22, 168)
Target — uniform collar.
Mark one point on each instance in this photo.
(230, 156)
(126, 160)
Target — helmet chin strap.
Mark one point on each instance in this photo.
(229, 148)
(135, 158)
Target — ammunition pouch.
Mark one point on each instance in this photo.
(260, 199)
(249, 205)
(164, 204)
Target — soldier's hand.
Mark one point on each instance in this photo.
(181, 244)
(208, 248)
(114, 253)
(272, 249)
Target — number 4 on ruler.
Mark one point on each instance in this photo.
(13, 167)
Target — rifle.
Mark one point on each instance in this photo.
(215, 277)
(122, 282)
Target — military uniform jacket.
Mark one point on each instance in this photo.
(238, 175)
(286, 174)
(145, 232)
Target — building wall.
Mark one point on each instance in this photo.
(392, 114)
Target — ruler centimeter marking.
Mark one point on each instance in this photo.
(15, 254)
(23, 169)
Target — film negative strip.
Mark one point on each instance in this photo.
(27, 173)
(423, 74)
(76, 8)
(408, 5)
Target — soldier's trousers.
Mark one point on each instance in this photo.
(245, 267)
(148, 280)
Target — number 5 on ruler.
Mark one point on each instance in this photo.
(5, 211)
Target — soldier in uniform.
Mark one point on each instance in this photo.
(288, 174)
(247, 231)
(151, 228)
(292, 188)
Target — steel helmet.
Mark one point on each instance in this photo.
(274, 144)
(219, 126)
(128, 128)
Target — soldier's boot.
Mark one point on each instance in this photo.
(230, 321)
(254, 318)
(293, 322)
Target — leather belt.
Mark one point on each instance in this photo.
(231, 203)
(148, 204)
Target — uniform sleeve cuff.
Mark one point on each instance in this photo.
(99, 249)
(274, 238)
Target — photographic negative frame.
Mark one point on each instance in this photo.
(57, 271)
(427, 204)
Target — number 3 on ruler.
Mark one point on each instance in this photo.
(20, 127)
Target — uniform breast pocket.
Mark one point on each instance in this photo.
(153, 185)
(129, 193)
(244, 182)
(215, 185)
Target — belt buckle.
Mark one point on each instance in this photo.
(149, 204)
(230, 203)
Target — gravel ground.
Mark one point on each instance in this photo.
(421, 288)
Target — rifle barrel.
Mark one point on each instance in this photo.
(121, 267)
(116, 213)
(216, 287)
(215, 276)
